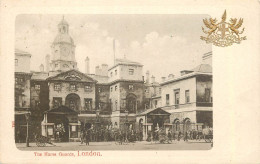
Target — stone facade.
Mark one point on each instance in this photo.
(112, 96)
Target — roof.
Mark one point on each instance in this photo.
(100, 79)
(205, 68)
(39, 75)
(189, 75)
(63, 21)
(22, 53)
(63, 38)
(61, 110)
(125, 62)
(71, 70)
(148, 111)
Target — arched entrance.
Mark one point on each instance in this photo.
(61, 127)
(187, 125)
(176, 125)
(131, 103)
(73, 101)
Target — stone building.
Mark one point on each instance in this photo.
(22, 93)
(62, 100)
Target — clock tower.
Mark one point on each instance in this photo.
(63, 49)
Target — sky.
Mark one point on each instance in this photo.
(164, 44)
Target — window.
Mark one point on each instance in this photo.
(187, 96)
(207, 95)
(155, 103)
(167, 99)
(115, 72)
(177, 96)
(37, 86)
(88, 104)
(131, 87)
(72, 87)
(57, 101)
(16, 80)
(131, 71)
(16, 62)
(57, 87)
(115, 87)
(21, 80)
(99, 89)
(116, 105)
(87, 88)
(111, 89)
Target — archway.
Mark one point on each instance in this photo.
(176, 125)
(73, 101)
(131, 103)
(187, 124)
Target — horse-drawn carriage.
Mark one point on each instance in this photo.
(41, 141)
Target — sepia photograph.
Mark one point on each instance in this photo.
(112, 82)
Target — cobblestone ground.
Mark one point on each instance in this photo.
(74, 146)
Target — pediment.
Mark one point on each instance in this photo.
(71, 75)
(158, 111)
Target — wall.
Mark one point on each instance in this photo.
(23, 64)
(22, 90)
(203, 82)
(123, 73)
(65, 90)
(115, 96)
(185, 84)
(102, 96)
(138, 91)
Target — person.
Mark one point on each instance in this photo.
(179, 136)
(186, 136)
(120, 137)
(87, 136)
(169, 135)
(82, 136)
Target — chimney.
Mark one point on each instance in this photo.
(98, 70)
(163, 79)
(170, 76)
(87, 65)
(47, 62)
(147, 77)
(104, 69)
(41, 68)
(153, 79)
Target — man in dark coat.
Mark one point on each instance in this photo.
(87, 136)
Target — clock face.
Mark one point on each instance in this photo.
(66, 51)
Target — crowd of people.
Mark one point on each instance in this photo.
(178, 135)
(105, 134)
(131, 135)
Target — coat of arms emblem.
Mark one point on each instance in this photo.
(224, 33)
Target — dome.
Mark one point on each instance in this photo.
(63, 21)
(63, 38)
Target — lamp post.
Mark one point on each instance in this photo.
(27, 117)
(97, 117)
(126, 125)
